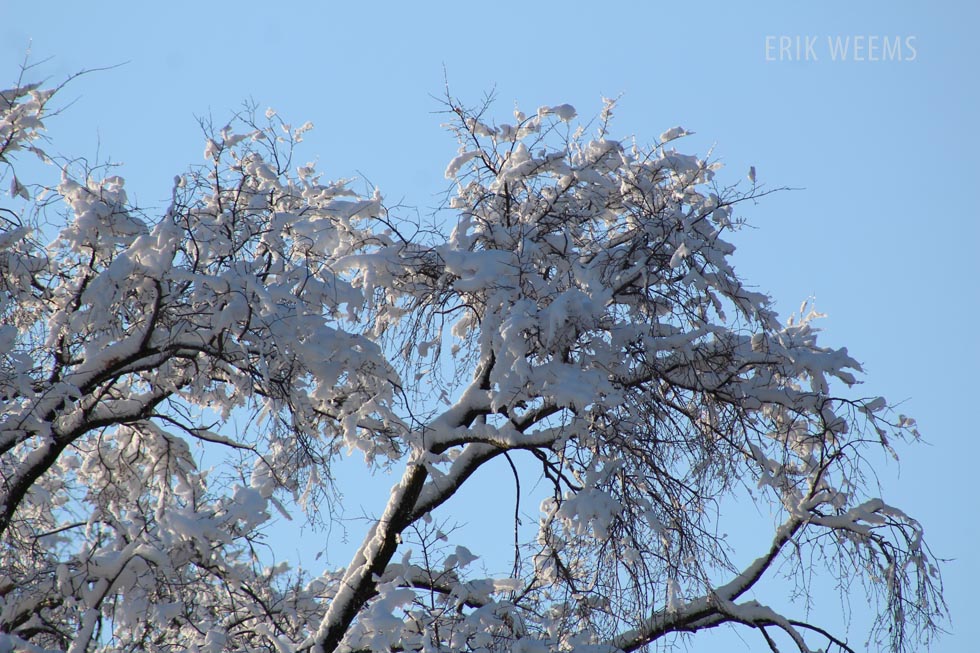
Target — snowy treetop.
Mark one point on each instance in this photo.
(580, 309)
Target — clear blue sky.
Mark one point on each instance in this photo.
(883, 233)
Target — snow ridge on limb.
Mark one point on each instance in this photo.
(581, 318)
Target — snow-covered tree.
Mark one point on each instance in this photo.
(170, 383)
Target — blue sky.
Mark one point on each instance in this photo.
(882, 230)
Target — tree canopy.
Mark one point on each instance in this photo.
(170, 382)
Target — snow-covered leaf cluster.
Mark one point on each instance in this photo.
(580, 310)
